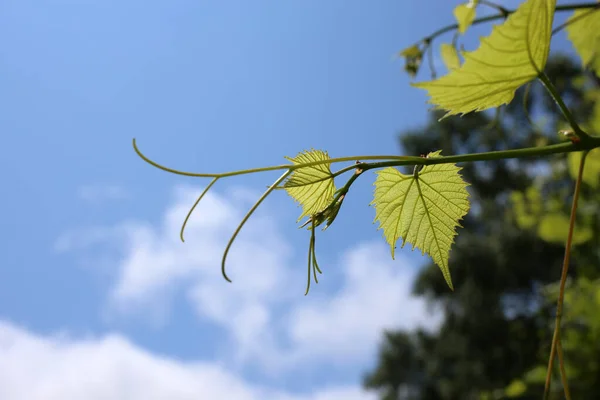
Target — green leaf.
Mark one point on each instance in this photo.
(313, 186)
(412, 59)
(412, 51)
(465, 14)
(511, 56)
(554, 228)
(591, 170)
(423, 209)
(584, 32)
(449, 56)
(515, 389)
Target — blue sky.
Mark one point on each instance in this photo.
(97, 295)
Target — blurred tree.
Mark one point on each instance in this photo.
(498, 323)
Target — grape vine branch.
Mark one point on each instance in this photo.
(513, 55)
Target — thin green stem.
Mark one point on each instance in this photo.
(312, 257)
(291, 167)
(455, 40)
(189, 214)
(558, 148)
(344, 189)
(563, 278)
(315, 265)
(453, 27)
(502, 15)
(239, 228)
(310, 249)
(572, 20)
(566, 147)
(576, 6)
(326, 178)
(344, 170)
(431, 60)
(525, 108)
(498, 7)
(563, 107)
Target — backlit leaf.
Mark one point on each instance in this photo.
(422, 209)
(584, 32)
(465, 14)
(449, 56)
(511, 56)
(313, 186)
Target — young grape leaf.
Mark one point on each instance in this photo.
(449, 56)
(465, 14)
(513, 54)
(412, 59)
(423, 209)
(313, 186)
(584, 32)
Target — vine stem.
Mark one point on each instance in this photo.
(189, 214)
(502, 15)
(563, 281)
(395, 161)
(563, 372)
(246, 217)
(290, 167)
(563, 107)
(572, 20)
(495, 6)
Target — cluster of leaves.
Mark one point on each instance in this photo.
(425, 207)
(408, 206)
(462, 361)
(495, 331)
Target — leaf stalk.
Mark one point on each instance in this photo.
(563, 281)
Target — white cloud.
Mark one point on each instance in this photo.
(111, 368)
(264, 312)
(98, 193)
